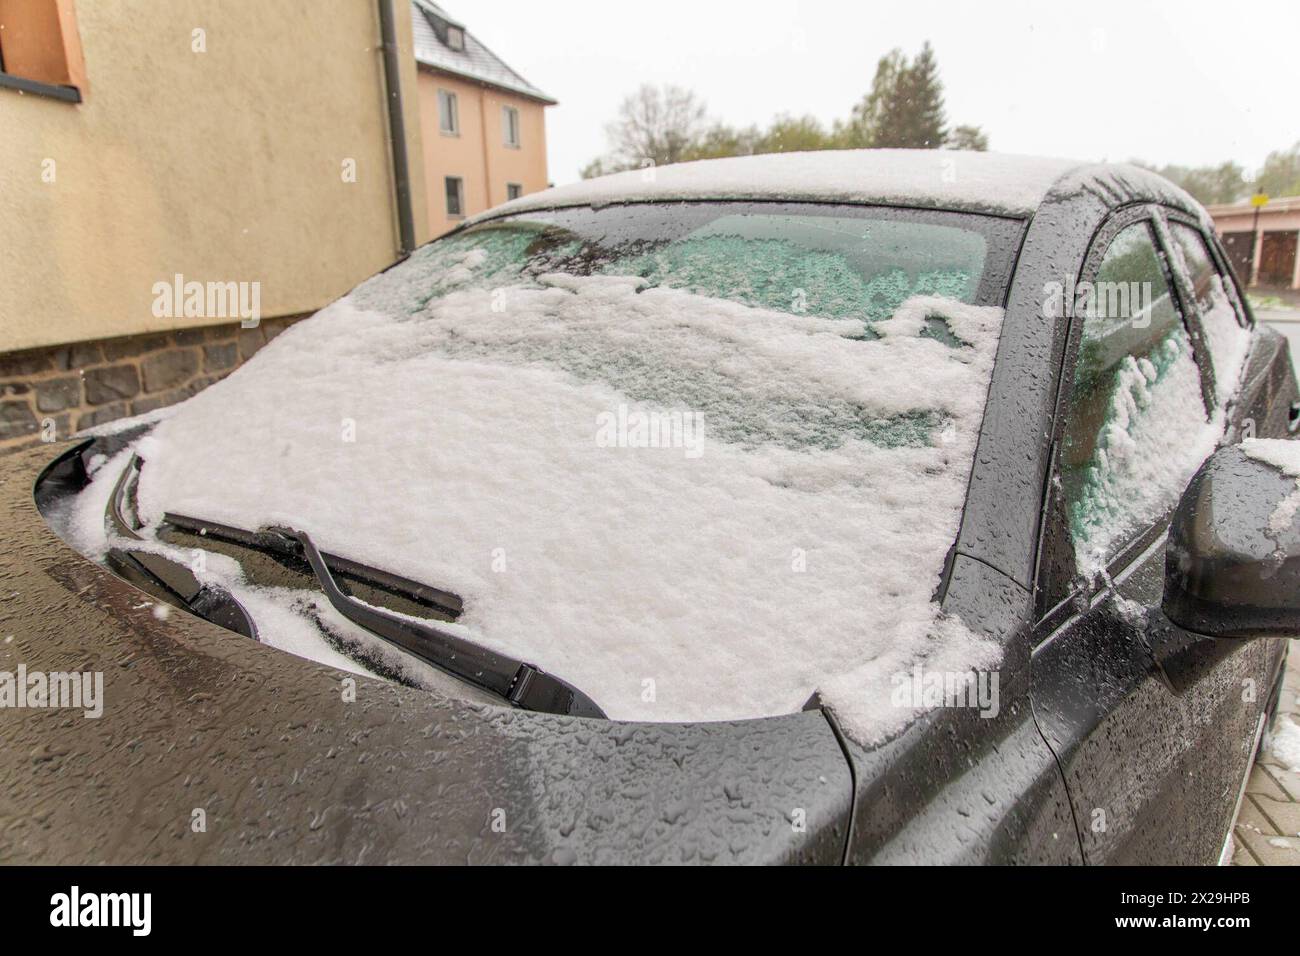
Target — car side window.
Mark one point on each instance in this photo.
(1227, 340)
(1136, 406)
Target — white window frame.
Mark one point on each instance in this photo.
(510, 125)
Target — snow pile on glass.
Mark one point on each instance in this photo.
(1140, 422)
(696, 488)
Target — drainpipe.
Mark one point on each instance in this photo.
(397, 126)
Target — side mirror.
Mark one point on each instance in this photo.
(1232, 564)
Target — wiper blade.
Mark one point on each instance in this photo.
(524, 685)
(280, 547)
(161, 577)
(518, 683)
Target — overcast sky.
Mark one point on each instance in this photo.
(1192, 83)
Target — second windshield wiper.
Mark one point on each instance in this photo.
(519, 683)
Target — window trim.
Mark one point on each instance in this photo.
(66, 94)
(453, 103)
(519, 187)
(460, 196)
(508, 111)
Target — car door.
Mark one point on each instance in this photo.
(1152, 727)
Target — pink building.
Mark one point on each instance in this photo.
(1266, 257)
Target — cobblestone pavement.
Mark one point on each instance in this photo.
(1268, 826)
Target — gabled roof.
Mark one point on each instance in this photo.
(476, 62)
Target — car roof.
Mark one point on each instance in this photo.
(997, 183)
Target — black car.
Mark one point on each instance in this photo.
(1057, 639)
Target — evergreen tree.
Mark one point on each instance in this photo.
(912, 115)
(864, 121)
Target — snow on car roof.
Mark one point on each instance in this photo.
(946, 179)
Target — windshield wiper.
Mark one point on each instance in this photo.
(516, 682)
(168, 580)
(519, 683)
(393, 591)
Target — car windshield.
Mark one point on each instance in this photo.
(700, 460)
(834, 262)
(854, 265)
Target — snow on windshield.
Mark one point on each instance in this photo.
(689, 507)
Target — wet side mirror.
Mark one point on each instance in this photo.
(1232, 564)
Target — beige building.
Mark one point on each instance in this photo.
(482, 124)
(1263, 250)
(170, 168)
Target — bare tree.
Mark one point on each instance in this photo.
(655, 125)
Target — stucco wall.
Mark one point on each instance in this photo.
(224, 165)
(479, 154)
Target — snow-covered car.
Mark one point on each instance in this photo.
(867, 506)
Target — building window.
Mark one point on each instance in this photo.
(455, 197)
(448, 117)
(510, 125)
(40, 50)
(514, 190)
(455, 38)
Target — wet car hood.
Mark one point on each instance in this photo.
(213, 748)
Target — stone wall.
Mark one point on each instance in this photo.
(49, 394)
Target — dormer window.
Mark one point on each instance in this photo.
(449, 33)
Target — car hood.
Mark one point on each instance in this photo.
(215, 748)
